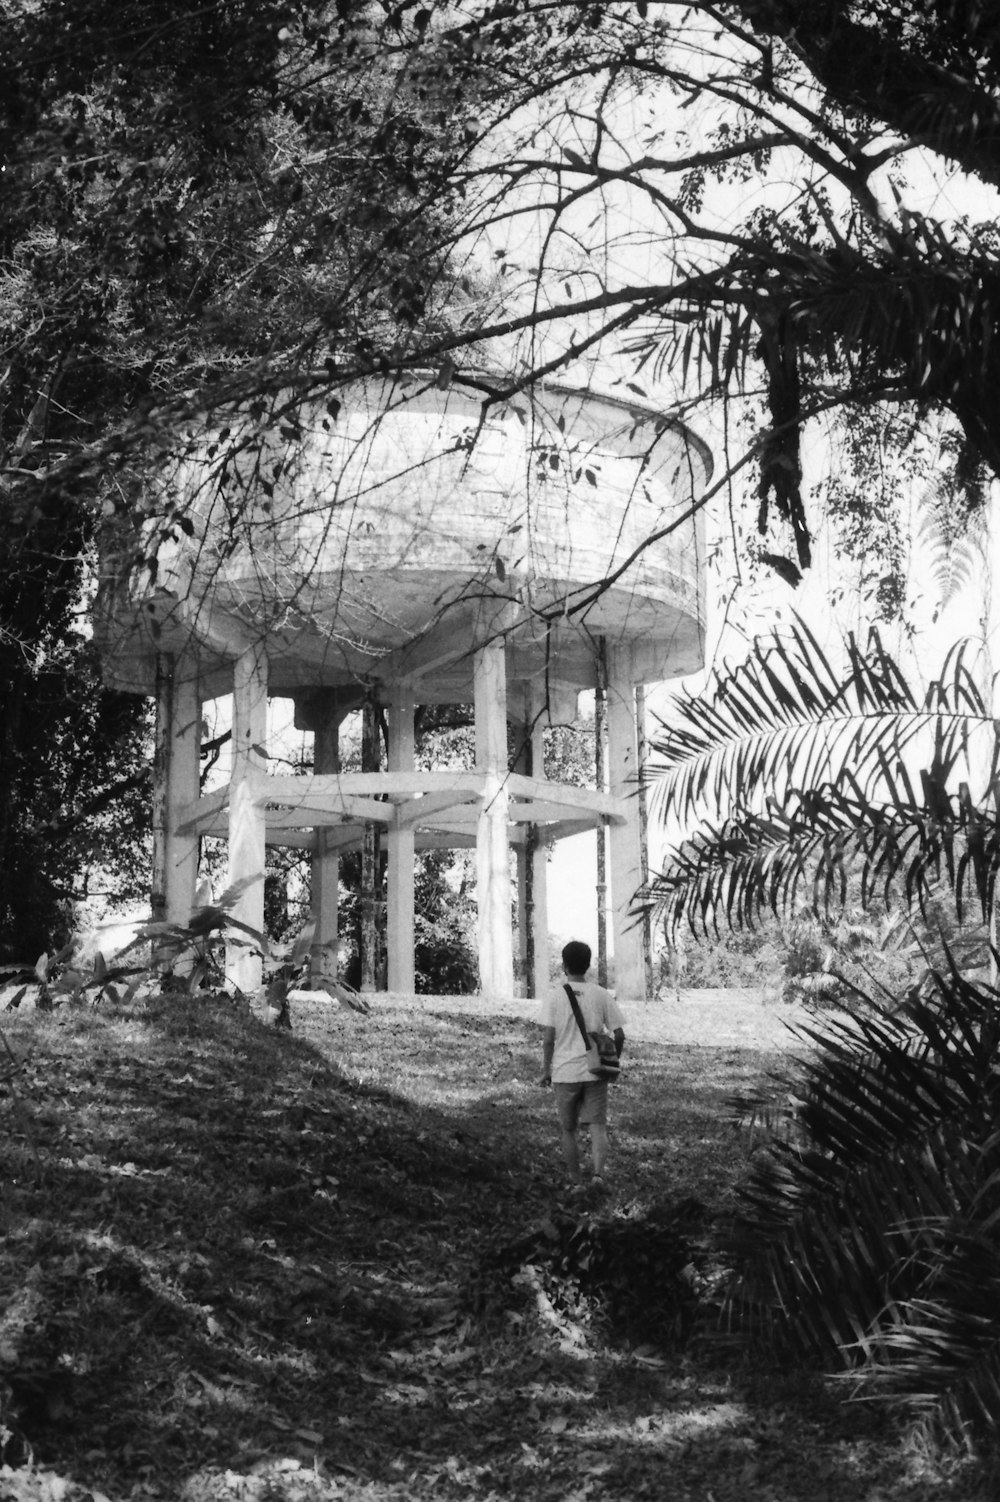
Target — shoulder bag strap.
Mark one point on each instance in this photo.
(588, 1042)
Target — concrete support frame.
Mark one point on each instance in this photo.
(401, 851)
(175, 777)
(493, 886)
(624, 839)
(247, 830)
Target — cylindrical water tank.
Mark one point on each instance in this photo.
(404, 512)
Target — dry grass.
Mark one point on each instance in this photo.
(242, 1264)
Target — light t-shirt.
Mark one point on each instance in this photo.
(600, 1014)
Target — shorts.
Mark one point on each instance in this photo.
(582, 1103)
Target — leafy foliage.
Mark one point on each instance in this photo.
(205, 208)
(642, 1269)
(868, 1228)
(257, 1288)
(216, 206)
(74, 786)
(193, 198)
(791, 771)
(192, 954)
(444, 952)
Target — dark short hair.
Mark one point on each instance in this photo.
(576, 957)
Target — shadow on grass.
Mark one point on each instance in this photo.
(227, 1249)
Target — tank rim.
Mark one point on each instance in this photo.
(643, 410)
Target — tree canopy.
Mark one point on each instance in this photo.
(194, 199)
(751, 208)
(786, 210)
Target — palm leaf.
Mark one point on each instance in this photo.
(789, 772)
(869, 1234)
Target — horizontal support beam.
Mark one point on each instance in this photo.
(548, 812)
(437, 839)
(553, 833)
(403, 785)
(197, 816)
(311, 812)
(446, 802)
(530, 788)
(418, 810)
(297, 839)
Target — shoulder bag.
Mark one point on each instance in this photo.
(602, 1054)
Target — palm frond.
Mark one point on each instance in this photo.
(803, 854)
(952, 538)
(869, 1232)
(788, 772)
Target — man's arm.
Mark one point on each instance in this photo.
(619, 1040)
(548, 1047)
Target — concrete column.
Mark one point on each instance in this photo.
(247, 848)
(493, 889)
(641, 755)
(539, 916)
(401, 850)
(371, 857)
(182, 850)
(325, 883)
(624, 839)
(532, 862)
(525, 904)
(601, 832)
(163, 736)
(524, 868)
(175, 783)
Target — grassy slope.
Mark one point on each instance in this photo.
(241, 1264)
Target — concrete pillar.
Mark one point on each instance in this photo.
(532, 862)
(525, 906)
(624, 839)
(371, 857)
(641, 755)
(175, 783)
(493, 889)
(401, 850)
(247, 848)
(601, 832)
(325, 877)
(541, 957)
(539, 916)
(524, 869)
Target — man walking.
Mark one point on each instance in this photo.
(581, 1099)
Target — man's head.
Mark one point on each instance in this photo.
(576, 957)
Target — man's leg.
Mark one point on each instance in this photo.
(568, 1098)
(571, 1153)
(598, 1145)
(594, 1113)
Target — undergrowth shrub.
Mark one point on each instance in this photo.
(869, 1238)
(643, 1271)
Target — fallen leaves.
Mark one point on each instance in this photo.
(251, 1272)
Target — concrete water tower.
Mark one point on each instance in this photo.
(407, 543)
